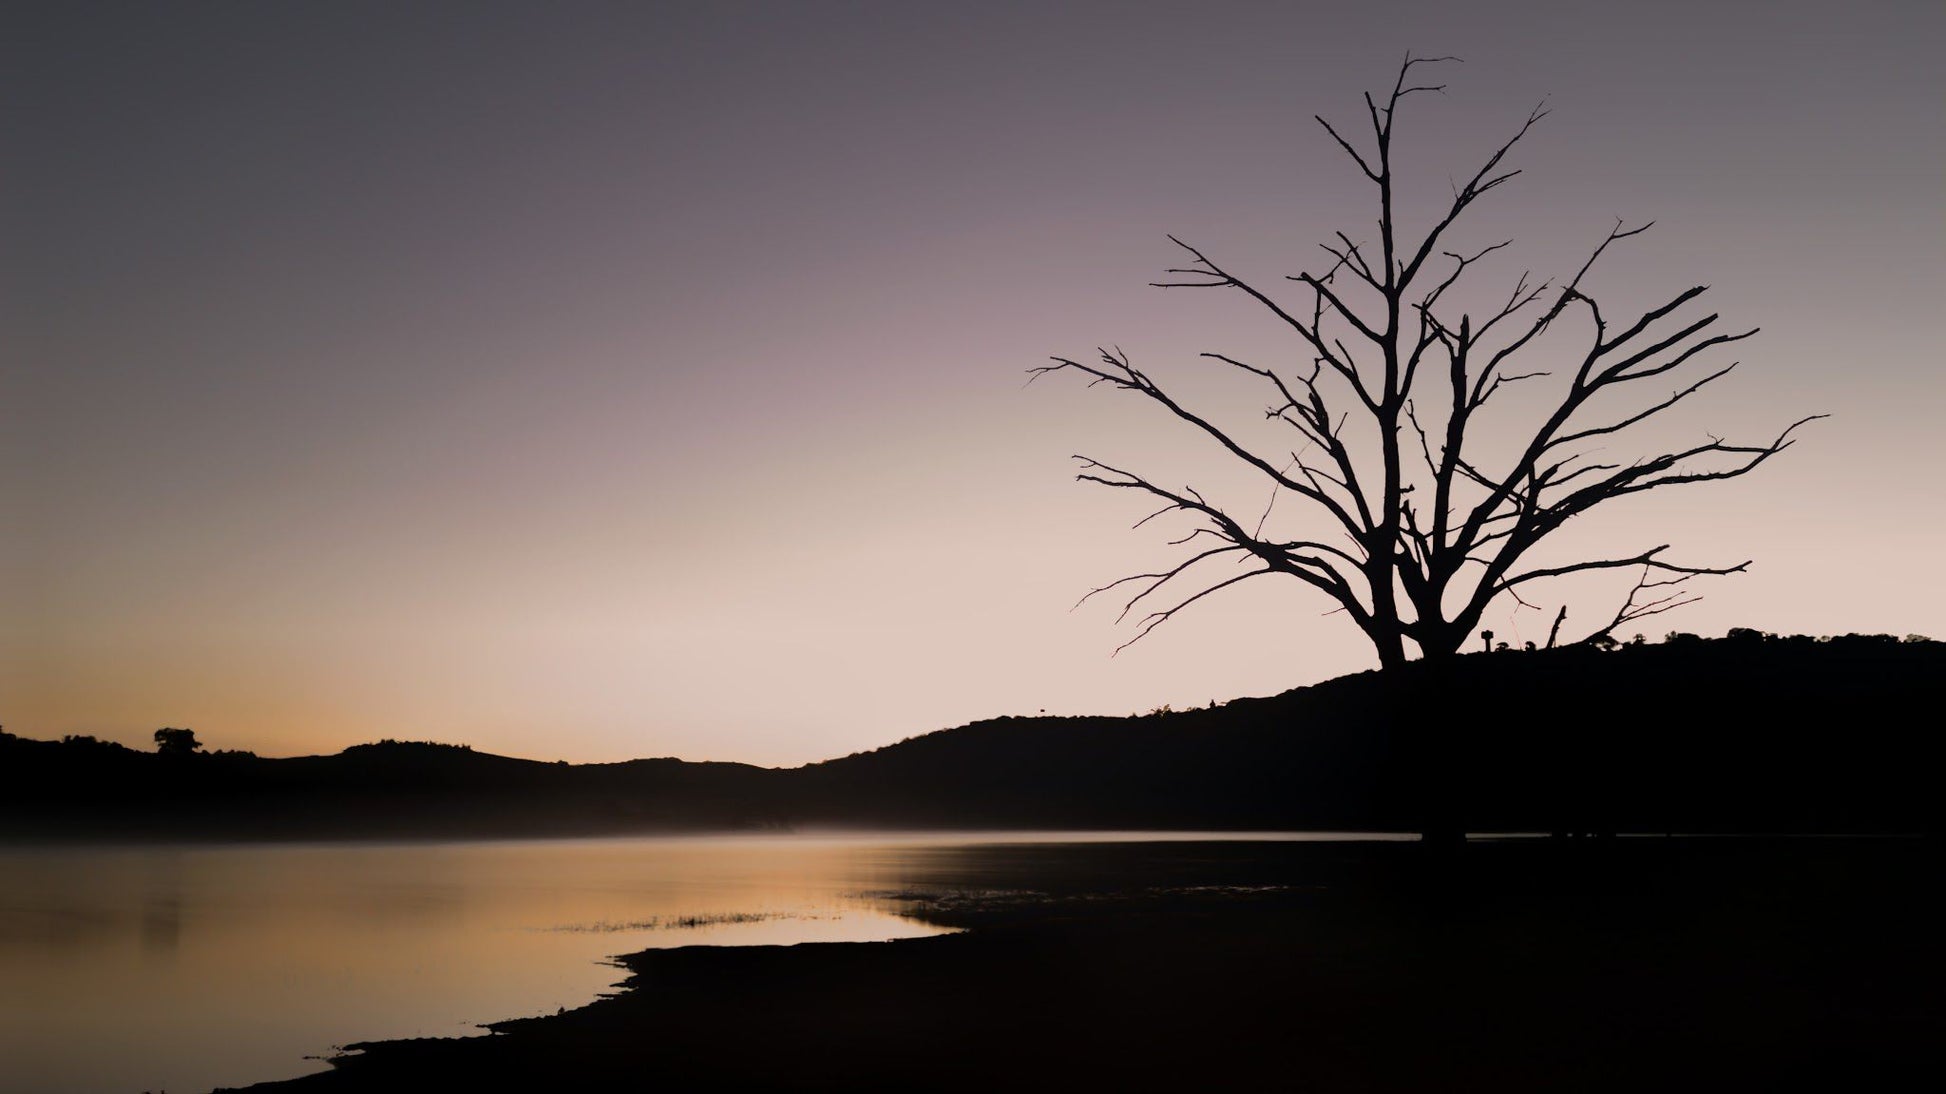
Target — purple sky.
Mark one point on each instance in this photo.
(611, 380)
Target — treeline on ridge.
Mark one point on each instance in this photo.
(1752, 732)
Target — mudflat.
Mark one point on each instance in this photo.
(1626, 964)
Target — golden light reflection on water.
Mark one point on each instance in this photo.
(188, 967)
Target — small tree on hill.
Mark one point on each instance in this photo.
(176, 742)
(1416, 530)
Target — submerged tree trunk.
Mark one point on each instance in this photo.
(1432, 744)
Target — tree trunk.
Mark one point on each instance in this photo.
(1433, 750)
(1443, 836)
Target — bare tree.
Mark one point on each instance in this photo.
(1421, 532)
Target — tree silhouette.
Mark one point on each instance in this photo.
(1422, 530)
(176, 742)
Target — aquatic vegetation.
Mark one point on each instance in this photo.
(671, 923)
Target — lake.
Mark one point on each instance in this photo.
(184, 967)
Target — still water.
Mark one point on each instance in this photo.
(185, 967)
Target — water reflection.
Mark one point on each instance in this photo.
(162, 924)
(186, 967)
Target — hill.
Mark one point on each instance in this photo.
(1748, 733)
(82, 788)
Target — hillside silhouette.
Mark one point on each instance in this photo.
(1750, 733)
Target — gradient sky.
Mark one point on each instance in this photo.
(611, 380)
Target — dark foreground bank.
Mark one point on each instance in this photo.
(1609, 965)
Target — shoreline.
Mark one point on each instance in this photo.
(1524, 965)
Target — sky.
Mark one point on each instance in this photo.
(595, 381)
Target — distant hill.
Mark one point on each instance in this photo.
(1748, 733)
(82, 788)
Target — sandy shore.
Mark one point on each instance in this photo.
(1623, 965)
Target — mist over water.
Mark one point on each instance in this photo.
(183, 967)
